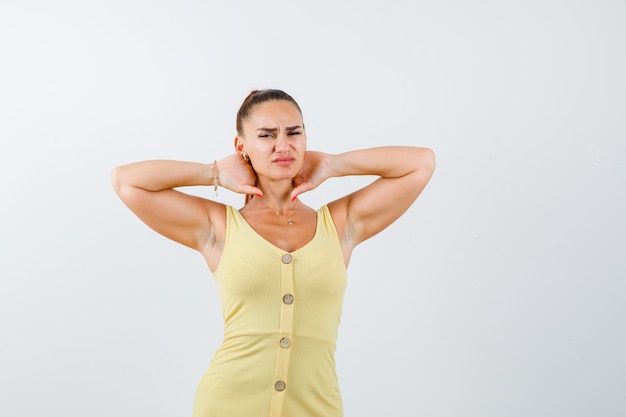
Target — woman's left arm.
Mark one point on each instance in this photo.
(404, 172)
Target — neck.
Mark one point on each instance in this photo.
(276, 195)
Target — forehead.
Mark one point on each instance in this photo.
(275, 113)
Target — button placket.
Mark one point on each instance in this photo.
(285, 329)
(285, 342)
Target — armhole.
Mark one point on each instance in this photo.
(332, 228)
(328, 218)
(229, 219)
(343, 229)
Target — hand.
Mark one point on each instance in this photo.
(237, 175)
(315, 170)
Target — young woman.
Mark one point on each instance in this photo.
(279, 265)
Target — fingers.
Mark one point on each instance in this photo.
(302, 188)
(249, 189)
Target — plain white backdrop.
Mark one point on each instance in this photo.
(499, 293)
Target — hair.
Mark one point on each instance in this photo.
(257, 97)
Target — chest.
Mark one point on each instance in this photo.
(277, 230)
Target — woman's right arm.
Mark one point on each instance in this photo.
(147, 188)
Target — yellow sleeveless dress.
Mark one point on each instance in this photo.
(281, 315)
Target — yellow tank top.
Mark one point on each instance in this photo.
(281, 315)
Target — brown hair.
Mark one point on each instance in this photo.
(257, 97)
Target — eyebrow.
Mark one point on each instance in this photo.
(275, 129)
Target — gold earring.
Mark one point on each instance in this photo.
(245, 156)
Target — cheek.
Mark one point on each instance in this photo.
(258, 146)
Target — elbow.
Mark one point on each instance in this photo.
(431, 160)
(117, 179)
(425, 160)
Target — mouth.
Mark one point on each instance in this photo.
(284, 160)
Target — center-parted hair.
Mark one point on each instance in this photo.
(257, 97)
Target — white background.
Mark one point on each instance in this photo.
(499, 293)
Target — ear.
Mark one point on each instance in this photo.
(238, 144)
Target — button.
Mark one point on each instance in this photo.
(287, 258)
(287, 298)
(280, 385)
(285, 342)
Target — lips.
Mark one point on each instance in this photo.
(284, 160)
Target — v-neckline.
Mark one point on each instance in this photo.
(317, 227)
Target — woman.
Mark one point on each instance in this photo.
(280, 266)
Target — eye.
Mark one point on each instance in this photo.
(265, 135)
(295, 133)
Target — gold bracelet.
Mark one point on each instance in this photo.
(216, 177)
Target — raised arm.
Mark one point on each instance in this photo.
(147, 188)
(404, 172)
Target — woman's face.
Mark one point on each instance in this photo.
(274, 139)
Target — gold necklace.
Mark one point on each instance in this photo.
(290, 220)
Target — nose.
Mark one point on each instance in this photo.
(282, 143)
